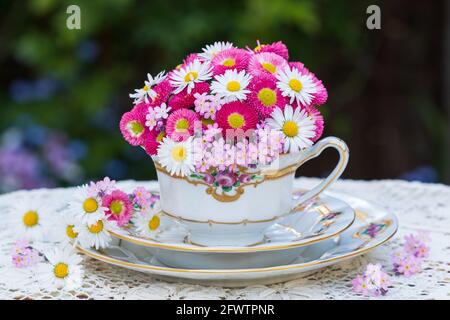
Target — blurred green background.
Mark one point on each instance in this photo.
(63, 91)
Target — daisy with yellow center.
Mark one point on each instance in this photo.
(296, 125)
(86, 206)
(147, 223)
(176, 157)
(95, 234)
(189, 75)
(232, 85)
(32, 220)
(63, 270)
(146, 93)
(210, 51)
(65, 225)
(297, 85)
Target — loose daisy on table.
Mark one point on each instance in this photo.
(232, 85)
(64, 227)
(95, 234)
(118, 207)
(63, 270)
(32, 219)
(176, 157)
(147, 222)
(86, 205)
(210, 51)
(147, 93)
(297, 85)
(188, 76)
(297, 127)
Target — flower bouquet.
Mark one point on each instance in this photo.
(226, 119)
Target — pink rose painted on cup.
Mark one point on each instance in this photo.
(225, 179)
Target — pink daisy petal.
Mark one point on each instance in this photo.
(321, 95)
(318, 121)
(186, 100)
(163, 91)
(264, 95)
(152, 142)
(230, 59)
(132, 126)
(266, 63)
(237, 115)
(296, 64)
(277, 47)
(180, 124)
(118, 207)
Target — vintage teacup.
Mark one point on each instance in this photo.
(234, 209)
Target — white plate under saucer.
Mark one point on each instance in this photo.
(373, 227)
(284, 240)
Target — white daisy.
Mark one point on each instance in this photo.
(86, 205)
(231, 85)
(64, 227)
(300, 87)
(210, 51)
(189, 75)
(176, 157)
(63, 270)
(94, 234)
(297, 127)
(31, 219)
(147, 91)
(146, 223)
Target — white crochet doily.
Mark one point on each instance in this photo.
(418, 206)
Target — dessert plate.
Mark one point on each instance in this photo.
(373, 227)
(283, 241)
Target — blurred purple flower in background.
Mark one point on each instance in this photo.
(34, 156)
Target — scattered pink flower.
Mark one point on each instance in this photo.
(374, 282)
(118, 207)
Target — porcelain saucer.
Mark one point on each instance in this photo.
(373, 227)
(283, 241)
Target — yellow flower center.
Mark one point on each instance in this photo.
(259, 47)
(236, 120)
(229, 62)
(269, 67)
(153, 224)
(290, 129)
(233, 86)
(70, 233)
(135, 128)
(179, 153)
(267, 97)
(190, 76)
(182, 125)
(90, 205)
(96, 228)
(61, 270)
(30, 218)
(160, 136)
(145, 88)
(295, 85)
(116, 207)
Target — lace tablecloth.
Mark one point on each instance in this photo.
(418, 206)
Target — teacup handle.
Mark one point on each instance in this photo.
(315, 151)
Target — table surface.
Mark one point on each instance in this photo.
(418, 206)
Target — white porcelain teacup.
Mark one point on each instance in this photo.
(220, 212)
